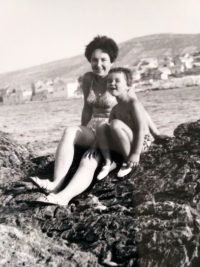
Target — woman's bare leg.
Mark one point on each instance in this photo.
(80, 181)
(72, 135)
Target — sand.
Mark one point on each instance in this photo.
(41, 123)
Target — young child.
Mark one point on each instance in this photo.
(127, 131)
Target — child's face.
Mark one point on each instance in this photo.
(117, 84)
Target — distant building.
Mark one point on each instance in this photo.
(137, 76)
(59, 85)
(164, 73)
(38, 84)
(176, 69)
(187, 61)
(71, 89)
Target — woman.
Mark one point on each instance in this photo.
(101, 53)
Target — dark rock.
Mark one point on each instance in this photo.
(148, 218)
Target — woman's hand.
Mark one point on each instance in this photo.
(90, 153)
(133, 160)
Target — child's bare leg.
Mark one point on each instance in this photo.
(103, 133)
(122, 135)
(104, 142)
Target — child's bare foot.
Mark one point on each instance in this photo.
(124, 170)
(106, 169)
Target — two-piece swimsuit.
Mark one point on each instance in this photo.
(103, 101)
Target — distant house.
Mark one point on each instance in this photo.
(176, 69)
(157, 74)
(27, 94)
(13, 97)
(187, 61)
(177, 61)
(166, 62)
(71, 89)
(39, 92)
(48, 85)
(196, 64)
(59, 85)
(137, 76)
(153, 63)
(165, 72)
(38, 84)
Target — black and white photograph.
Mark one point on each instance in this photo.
(100, 133)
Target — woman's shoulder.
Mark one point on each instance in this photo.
(87, 80)
(87, 77)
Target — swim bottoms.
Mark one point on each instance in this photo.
(95, 122)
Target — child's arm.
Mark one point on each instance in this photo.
(152, 127)
(112, 114)
(159, 138)
(138, 115)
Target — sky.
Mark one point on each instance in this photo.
(34, 32)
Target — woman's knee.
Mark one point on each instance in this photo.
(90, 163)
(70, 133)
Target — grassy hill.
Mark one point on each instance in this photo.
(157, 45)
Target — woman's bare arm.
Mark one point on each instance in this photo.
(138, 115)
(87, 109)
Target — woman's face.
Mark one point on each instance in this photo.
(100, 63)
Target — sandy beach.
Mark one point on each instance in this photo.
(41, 123)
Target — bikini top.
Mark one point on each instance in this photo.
(106, 100)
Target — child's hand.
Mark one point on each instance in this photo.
(90, 153)
(133, 160)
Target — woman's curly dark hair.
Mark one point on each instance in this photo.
(107, 45)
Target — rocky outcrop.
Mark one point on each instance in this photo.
(150, 218)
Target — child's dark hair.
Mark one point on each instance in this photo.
(127, 73)
(107, 45)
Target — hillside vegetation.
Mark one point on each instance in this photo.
(158, 45)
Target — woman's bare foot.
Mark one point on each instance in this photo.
(52, 199)
(43, 184)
